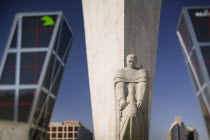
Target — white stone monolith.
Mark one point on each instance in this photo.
(114, 29)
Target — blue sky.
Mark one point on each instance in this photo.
(173, 94)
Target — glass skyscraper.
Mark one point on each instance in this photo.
(32, 68)
(194, 35)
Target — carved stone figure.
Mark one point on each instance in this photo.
(130, 88)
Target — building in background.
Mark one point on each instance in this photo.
(178, 131)
(192, 134)
(31, 72)
(194, 35)
(68, 130)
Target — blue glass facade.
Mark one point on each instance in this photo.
(32, 68)
(194, 35)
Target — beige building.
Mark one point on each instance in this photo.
(68, 130)
(178, 131)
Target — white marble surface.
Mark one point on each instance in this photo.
(14, 131)
(114, 29)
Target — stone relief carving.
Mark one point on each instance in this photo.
(130, 88)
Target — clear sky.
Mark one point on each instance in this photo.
(173, 94)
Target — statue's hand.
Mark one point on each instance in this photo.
(139, 104)
(122, 105)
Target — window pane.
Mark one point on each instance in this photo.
(200, 24)
(204, 109)
(57, 81)
(6, 104)
(35, 32)
(42, 121)
(76, 128)
(39, 106)
(55, 69)
(207, 96)
(51, 71)
(25, 103)
(47, 79)
(193, 78)
(70, 135)
(60, 129)
(206, 56)
(53, 128)
(14, 39)
(65, 38)
(70, 128)
(60, 135)
(184, 31)
(8, 74)
(46, 115)
(53, 135)
(197, 68)
(31, 66)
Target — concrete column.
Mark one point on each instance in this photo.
(114, 29)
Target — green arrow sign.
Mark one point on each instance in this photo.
(48, 21)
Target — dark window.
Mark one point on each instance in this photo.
(51, 103)
(6, 104)
(65, 38)
(14, 39)
(70, 128)
(47, 79)
(76, 128)
(48, 136)
(200, 24)
(204, 109)
(66, 56)
(46, 114)
(64, 135)
(53, 128)
(190, 136)
(75, 135)
(43, 122)
(184, 31)
(57, 81)
(31, 66)
(48, 129)
(60, 135)
(35, 33)
(60, 129)
(70, 135)
(25, 102)
(205, 50)
(53, 135)
(64, 128)
(197, 68)
(55, 45)
(51, 71)
(193, 78)
(56, 65)
(207, 95)
(8, 74)
(37, 135)
(40, 102)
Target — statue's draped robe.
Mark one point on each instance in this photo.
(130, 86)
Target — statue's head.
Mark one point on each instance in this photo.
(131, 61)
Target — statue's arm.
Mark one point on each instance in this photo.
(141, 90)
(120, 94)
